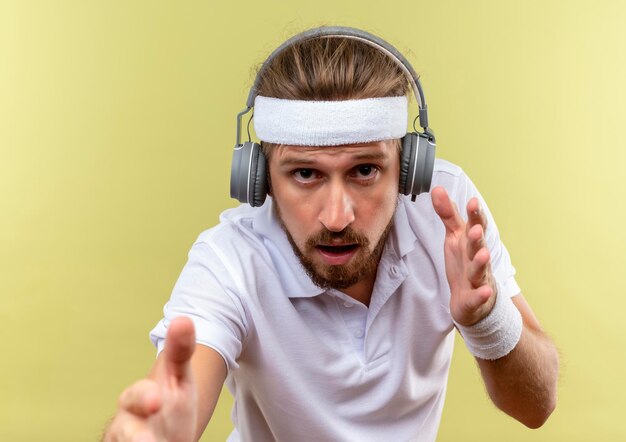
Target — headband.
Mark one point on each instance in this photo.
(329, 123)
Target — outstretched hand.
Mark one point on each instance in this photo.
(467, 259)
(162, 407)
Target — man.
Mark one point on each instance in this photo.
(330, 310)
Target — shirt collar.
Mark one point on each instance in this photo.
(402, 238)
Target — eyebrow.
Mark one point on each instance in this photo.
(292, 161)
(374, 156)
(370, 156)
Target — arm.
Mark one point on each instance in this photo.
(521, 383)
(177, 399)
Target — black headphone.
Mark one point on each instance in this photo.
(248, 175)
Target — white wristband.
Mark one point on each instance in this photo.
(498, 333)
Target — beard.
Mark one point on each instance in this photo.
(339, 277)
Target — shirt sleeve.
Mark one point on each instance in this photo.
(501, 265)
(206, 294)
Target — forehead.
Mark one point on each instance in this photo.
(379, 150)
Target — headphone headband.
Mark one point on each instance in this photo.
(355, 34)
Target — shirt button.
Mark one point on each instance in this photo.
(394, 270)
(358, 333)
(347, 304)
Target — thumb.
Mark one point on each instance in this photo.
(180, 343)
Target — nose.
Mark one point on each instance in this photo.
(337, 208)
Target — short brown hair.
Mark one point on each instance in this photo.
(329, 69)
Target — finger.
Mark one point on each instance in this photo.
(131, 429)
(180, 343)
(143, 398)
(446, 210)
(475, 214)
(478, 269)
(476, 240)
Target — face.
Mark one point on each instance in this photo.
(336, 205)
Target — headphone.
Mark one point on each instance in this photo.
(248, 175)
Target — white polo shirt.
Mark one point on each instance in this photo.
(308, 364)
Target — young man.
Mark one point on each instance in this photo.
(330, 310)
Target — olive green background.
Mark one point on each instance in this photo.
(117, 120)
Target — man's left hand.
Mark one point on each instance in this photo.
(467, 259)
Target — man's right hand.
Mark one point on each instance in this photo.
(164, 406)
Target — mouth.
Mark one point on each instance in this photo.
(337, 254)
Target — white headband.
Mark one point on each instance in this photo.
(329, 123)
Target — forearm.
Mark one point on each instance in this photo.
(523, 383)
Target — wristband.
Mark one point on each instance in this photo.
(496, 334)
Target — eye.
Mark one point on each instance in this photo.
(365, 172)
(305, 175)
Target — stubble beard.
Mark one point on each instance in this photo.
(340, 277)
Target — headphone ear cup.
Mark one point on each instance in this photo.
(248, 179)
(417, 163)
(426, 163)
(258, 178)
(408, 149)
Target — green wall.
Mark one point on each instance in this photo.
(117, 121)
